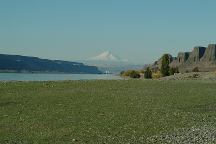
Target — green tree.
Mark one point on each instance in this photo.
(165, 65)
(148, 73)
(122, 73)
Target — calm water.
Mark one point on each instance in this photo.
(53, 77)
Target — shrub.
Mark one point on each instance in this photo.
(173, 70)
(122, 73)
(127, 73)
(148, 73)
(131, 74)
(141, 71)
(156, 75)
(196, 69)
(134, 74)
(165, 65)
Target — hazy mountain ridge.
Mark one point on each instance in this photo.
(18, 63)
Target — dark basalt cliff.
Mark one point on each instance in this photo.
(201, 57)
(196, 55)
(182, 57)
(210, 54)
(17, 63)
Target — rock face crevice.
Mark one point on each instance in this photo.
(201, 57)
(210, 54)
(196, 55)
(182, 57)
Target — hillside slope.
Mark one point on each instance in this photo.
(17, 63)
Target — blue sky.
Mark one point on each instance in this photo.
(137, 30)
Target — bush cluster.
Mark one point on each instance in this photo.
(165, 69)
(148, 73)
(156, 75)
(135, 74)
(131, 74)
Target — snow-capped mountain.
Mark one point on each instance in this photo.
(107, 61)
(106, 56)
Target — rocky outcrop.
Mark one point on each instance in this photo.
(182, 57)
(201, 57)
(210, 54)
(196, 55)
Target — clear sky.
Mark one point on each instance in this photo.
(137, 30)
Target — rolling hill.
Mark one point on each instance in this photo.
(18, 63)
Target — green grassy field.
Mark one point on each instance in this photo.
(118, 111)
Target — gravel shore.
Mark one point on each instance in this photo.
(195, 135)
(192, 76)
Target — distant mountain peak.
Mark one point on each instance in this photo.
(107, 56)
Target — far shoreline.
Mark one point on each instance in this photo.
(55, 76)
(42, 72)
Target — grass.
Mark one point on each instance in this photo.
(117, 111)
